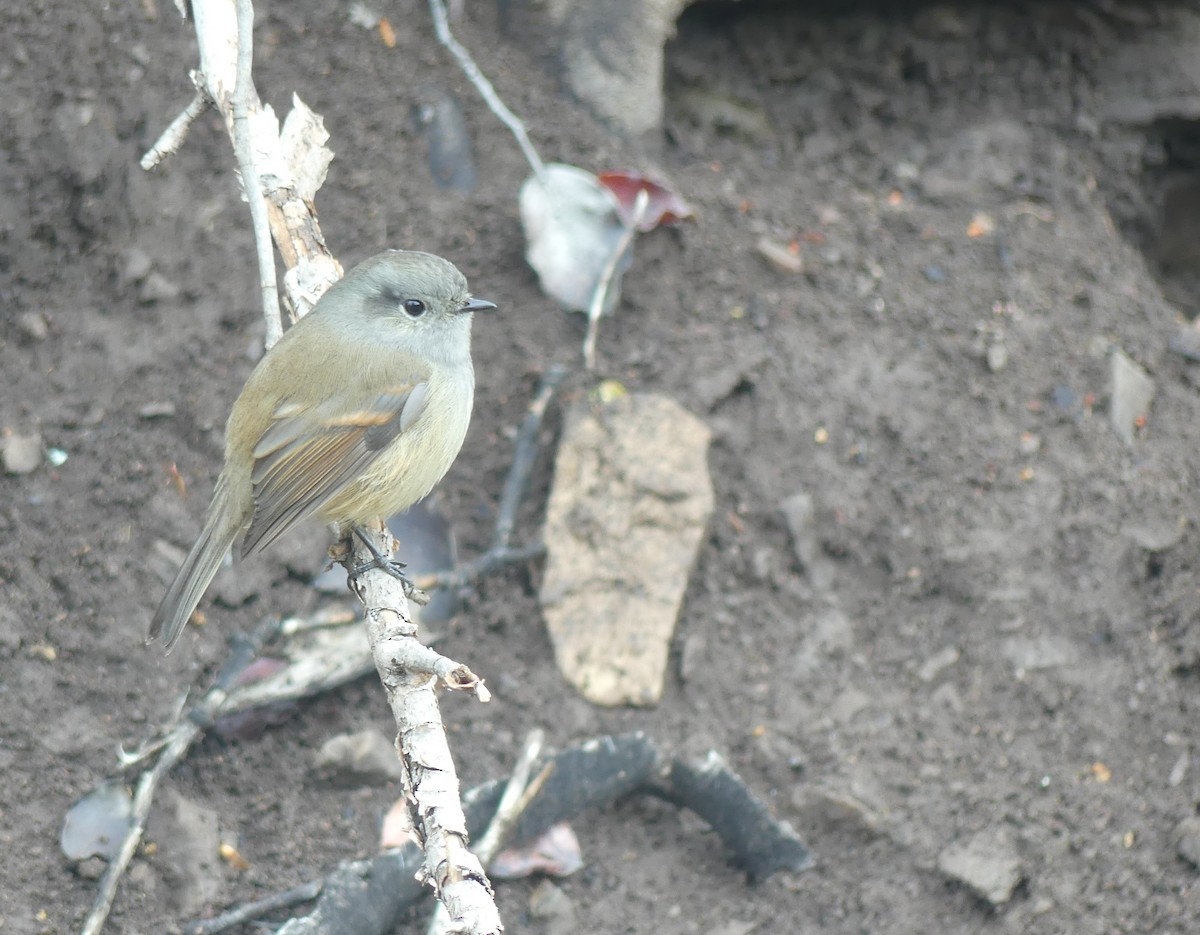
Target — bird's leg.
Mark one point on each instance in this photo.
(383, 562)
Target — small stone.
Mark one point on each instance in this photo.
(550, 904)
(691, 655)
(91, 869)
(779, 256)
(818, 806)
(1155, 536)
(1187, 836)
(1179, 770)
(157, 410)
(157, 288)
(366, 758)
(1029, 654)
(940, 660)
(137, 265)
(33, 326)
(22, 453)
(987, 864)
(997, 356)
(1029, 443)
(1132, 392)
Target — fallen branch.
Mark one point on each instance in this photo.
(368, 897)
(170, 752)
(441, 26)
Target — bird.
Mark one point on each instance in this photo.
(356, 413)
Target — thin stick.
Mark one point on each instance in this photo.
(172, 754)
(182, 736)
(285, 900)
(596, 309)
(176, 132)
(491, 560)
(244, 150)
(441, 26)
(524, 453)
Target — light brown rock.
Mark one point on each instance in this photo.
(629, 505)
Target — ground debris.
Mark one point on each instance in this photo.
(987, 864)
(365, 758)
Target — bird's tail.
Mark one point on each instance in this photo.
(193, 579)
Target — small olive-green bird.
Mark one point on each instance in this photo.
(356, 413)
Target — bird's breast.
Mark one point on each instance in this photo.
(411, 466)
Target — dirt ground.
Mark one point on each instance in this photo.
(998, 634)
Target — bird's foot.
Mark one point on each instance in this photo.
(385, 563)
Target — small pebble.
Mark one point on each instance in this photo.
(157, 410)
(33, 325)
(987, 864)
(1029, 443)
(780, 256)
(997, 356)
(1132, 392)
(366, 758)
(91, 869)
(1063, 397)
(22, 453)
(1187, 833)
(157, 288)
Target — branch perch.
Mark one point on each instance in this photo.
(281, 172)
(430, 782)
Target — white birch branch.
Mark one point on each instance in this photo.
(290, 168)
(430, 780)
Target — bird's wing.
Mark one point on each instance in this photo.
(306, 457)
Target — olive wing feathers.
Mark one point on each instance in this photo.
(306, 457)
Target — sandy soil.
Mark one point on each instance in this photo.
(999, 635)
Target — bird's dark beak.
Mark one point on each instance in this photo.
(477, 305)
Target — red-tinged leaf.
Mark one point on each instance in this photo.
(665, 206)
(397, 826)
(555, 852)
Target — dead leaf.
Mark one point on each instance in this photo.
(665, 205)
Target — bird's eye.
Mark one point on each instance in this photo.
(414, 308)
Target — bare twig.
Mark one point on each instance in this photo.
(524, 453)
(244, 97)
(176, 132)
(441, 26)
(179, 741)
(430, 780)
(490, 561)
(260, 907)
(596, 309)
(518, 793)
